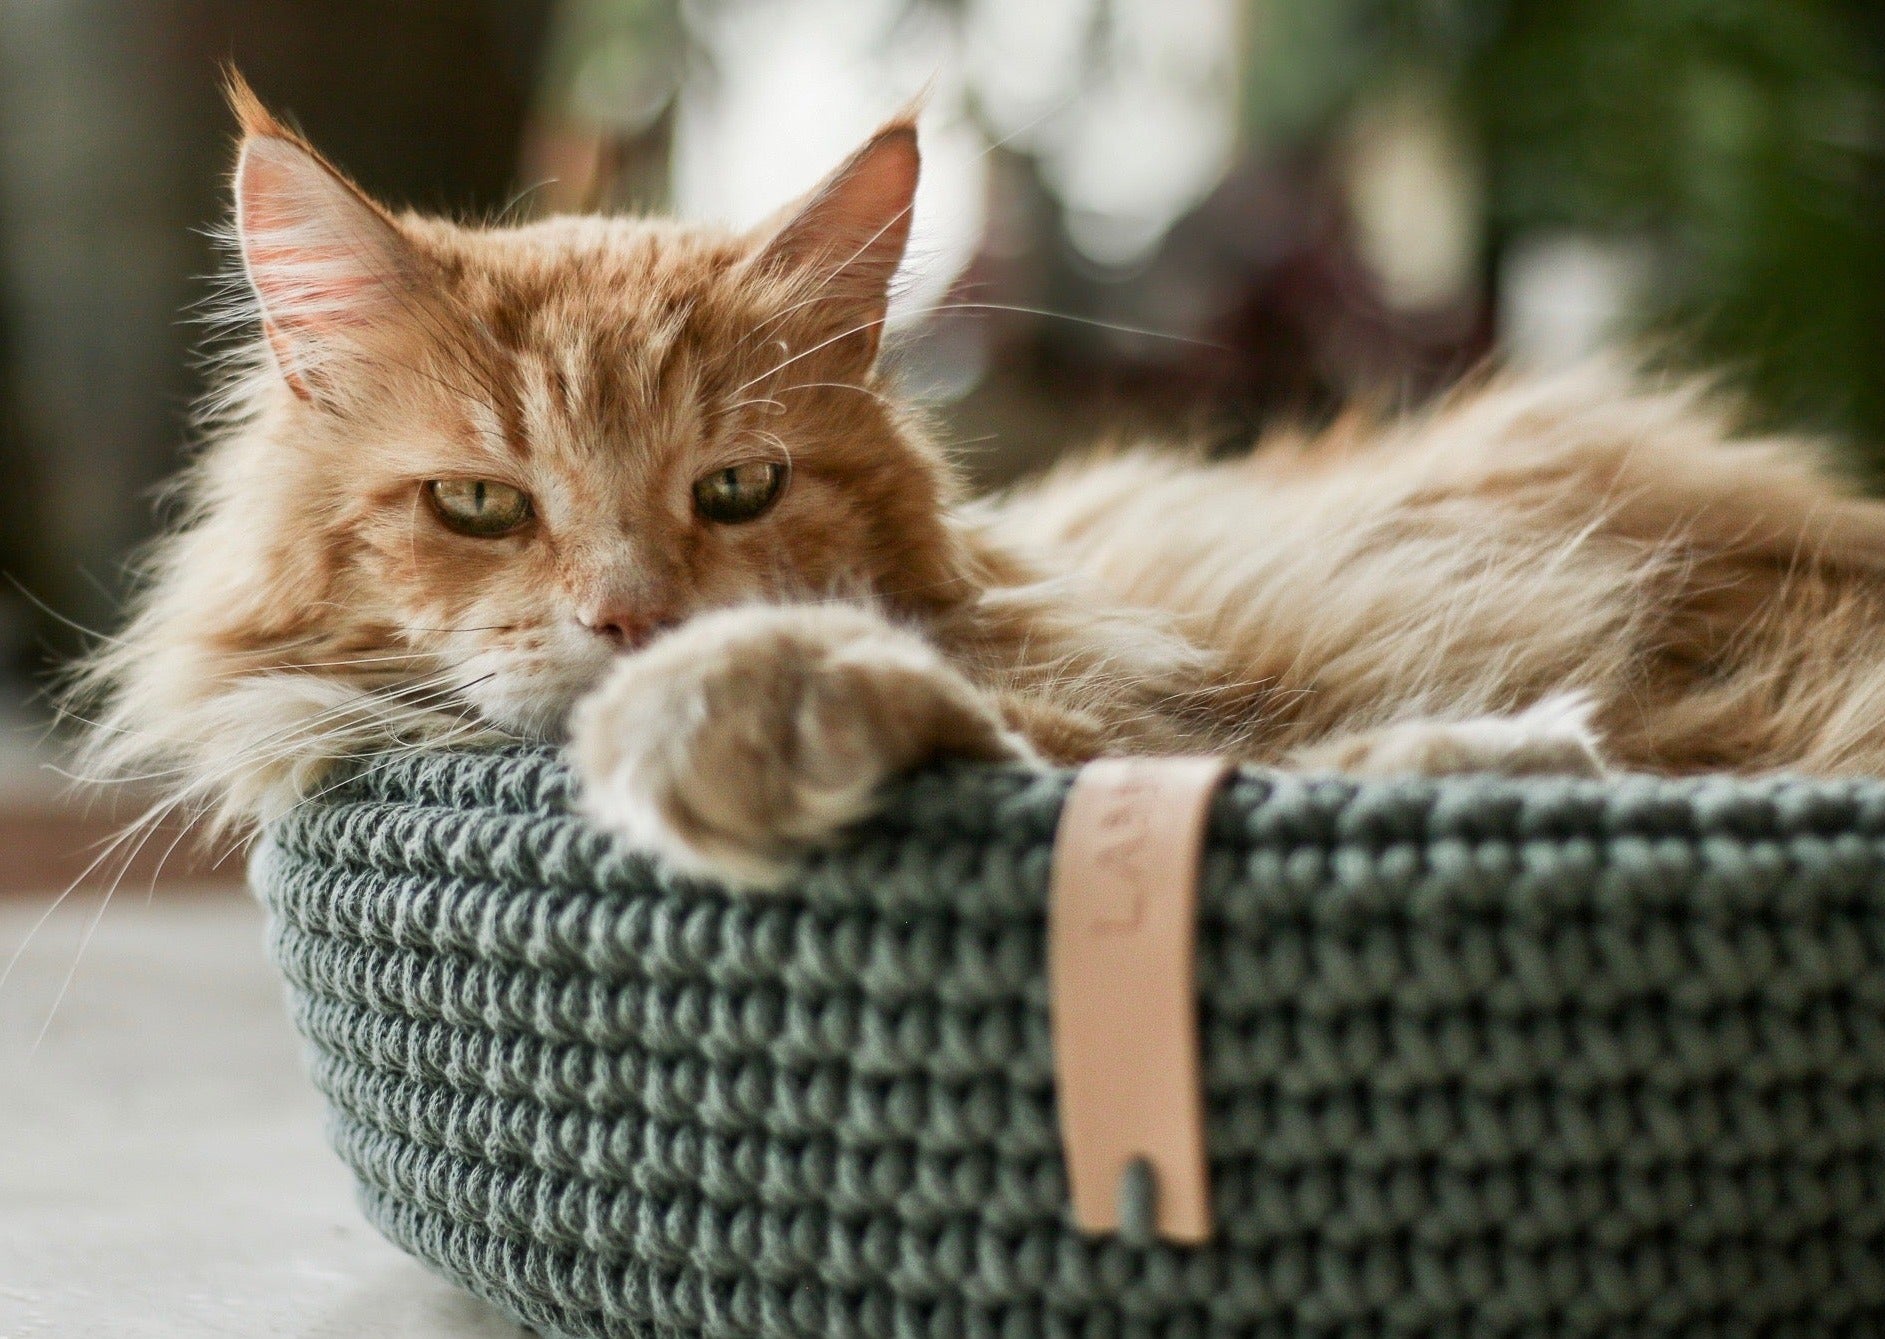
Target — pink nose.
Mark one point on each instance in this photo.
(628, 629)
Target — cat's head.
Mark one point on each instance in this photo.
(466, 466)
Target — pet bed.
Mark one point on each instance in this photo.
(1479, 1057)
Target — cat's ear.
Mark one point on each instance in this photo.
(327, 265)
(846, 239)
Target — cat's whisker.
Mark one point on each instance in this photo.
(487, 627)
(351, 662)
(423, 683)
(185, 831)
(117, 842)
(33, 930)
(201, 788)
(104, 727)
(65, 984)
(777, 406)
(778, 443)
(93, 633)
(67, 713)
(1137, 332)
(284, 741)
(878, 396)
(825, 343)
(508, 214)
(365, 708)
(1043, 313)
(126, 846)
(117, 778)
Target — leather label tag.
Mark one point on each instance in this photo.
(1122, 936)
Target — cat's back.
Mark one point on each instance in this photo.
(1590, 465)
(1517, 535)
(1166, 528)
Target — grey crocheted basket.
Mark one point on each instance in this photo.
(1481, 1058)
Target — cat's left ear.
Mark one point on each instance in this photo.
(846, 239)
(331, 270)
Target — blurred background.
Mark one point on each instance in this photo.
(1189, 217)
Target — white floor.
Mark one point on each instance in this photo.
(163, 1172)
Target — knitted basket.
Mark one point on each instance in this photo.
(1481, 1057)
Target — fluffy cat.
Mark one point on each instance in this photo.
(641, 483)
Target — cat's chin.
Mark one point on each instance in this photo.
(534, 713)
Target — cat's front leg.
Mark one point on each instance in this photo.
(747, 736)
(1552, 738)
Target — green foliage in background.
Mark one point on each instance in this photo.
(1743, 140)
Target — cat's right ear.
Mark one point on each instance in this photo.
(848, 237)
(326, 264)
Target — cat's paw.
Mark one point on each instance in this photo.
(1552, 738)
(745, 737)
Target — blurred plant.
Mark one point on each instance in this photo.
(1741, 141)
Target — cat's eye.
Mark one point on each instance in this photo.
(481, 508)
(740, 493)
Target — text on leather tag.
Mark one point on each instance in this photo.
(1122, 948)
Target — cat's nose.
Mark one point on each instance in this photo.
(626, 629)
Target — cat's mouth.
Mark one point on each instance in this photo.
(530, 701)
(530, 696)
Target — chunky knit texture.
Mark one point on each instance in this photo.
(1482, 1057)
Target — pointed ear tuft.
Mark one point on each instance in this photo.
(847, 237)
(251, 115)
(327, 265)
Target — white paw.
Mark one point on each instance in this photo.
(1552, 738)
(745, 737)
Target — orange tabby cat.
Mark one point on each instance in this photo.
(641, 481)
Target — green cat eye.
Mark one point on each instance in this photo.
(740, 492)
(481, 508)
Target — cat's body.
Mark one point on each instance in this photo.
(1717, 603)
(645, 480)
